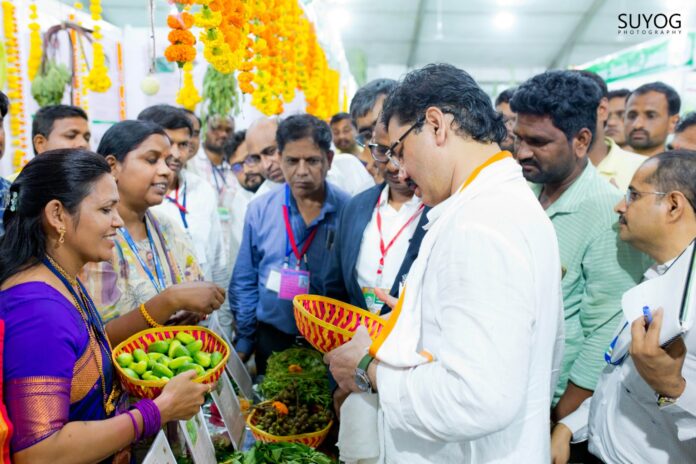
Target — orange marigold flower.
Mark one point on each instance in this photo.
(181, 36)
(280, 407)
(180, 53)
(294, 368)
(246, 66)
(182, 20)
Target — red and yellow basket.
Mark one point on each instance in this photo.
(152, 388)
(327, 323)
(313, 439)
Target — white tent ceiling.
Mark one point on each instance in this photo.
(391, 36)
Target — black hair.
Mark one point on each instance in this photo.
(45, 118)
(685, 122)
(338, 117)
(505, 96)
(125, 136)
(367, 95)
(618, 93)
(67, 175)
(232, 143)
(676, 170)
(168, 116)
(673, 100)
(300, 126)
(4, 105)
(191, 113)
(567, 97)
(597, 79)
(452, 90)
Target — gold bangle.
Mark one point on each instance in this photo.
(150, 321)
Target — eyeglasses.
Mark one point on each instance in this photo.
(632, 195)
(379, 152)
(250, 160)
(390, 153)
(365, 135)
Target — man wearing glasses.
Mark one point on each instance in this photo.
(644, 407)
(556, 121)
(365, 108)
(464, 366)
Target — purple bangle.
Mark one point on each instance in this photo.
(135, 425)
(152, 420)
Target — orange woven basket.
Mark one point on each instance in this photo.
(152, 388)
(313, 440)
(327, 323)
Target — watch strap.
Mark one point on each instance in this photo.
(365, 362)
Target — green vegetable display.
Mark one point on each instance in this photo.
(304, 369)
(278, 453)
(49, 84)
(287, 415)
(166, 358)
(220, 97)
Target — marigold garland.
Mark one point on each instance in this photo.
(188, 95)
(14, 84)
(98, 79)
(35, 49)
(181, 50)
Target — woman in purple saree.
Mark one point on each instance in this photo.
(59, 385)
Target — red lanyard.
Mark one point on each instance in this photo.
(384, 250)
(291, 237)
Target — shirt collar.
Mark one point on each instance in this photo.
(329, 206)
(414, 202)
(657, 270)
(608, 165)
(437, 210)
(572, 198)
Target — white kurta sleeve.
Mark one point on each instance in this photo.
(485, 317)
(578, 421)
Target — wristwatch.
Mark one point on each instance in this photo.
(362, 380)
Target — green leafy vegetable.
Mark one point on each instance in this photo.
(279, 453)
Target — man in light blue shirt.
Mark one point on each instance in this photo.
(275, 261)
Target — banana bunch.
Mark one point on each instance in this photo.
(220, 95)
(48, 87)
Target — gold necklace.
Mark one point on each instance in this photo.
(109, 401)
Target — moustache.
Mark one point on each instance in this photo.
(412, 185)
(529, 162)
(641, 131)
(622, 220)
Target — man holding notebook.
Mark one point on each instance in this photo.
(644, 406)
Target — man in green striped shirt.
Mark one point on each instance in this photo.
(556, 120)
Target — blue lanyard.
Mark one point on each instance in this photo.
(218, 172)
(180, 206)
(288, 246)
(612, 345)
(159, 284)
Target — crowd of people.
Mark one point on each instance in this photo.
(495, 237)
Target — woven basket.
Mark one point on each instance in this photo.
(152, 388)
(313, 440)
(327, 323)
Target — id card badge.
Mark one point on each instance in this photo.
(293, 282)
(374, 304)
(224, 214)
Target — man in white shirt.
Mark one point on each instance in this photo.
(644, 408)
(465, 366)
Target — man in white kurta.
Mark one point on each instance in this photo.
(465, 366)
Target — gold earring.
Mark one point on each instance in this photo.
(61, 239)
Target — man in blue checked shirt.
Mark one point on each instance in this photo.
(288, 234)
(4, 184)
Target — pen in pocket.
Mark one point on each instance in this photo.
(647, 314)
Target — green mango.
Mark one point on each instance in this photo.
(164, 379)
(199, 370)
(154, 356)
(140, 355)
(130, 373)
(150, 364)
(124, 359)
(202, 359)
(148, 375)
(164, 360)
(161, 370)
(139, 367)
(195, 347)
(187, 367)
(158, 347)
(173, 346)
(178, 362)
(185, 338)
(215, 358)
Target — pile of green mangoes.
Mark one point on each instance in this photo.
(166, 358)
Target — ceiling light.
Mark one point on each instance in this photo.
(504, 20)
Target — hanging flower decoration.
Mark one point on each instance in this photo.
(98, 79)
(14, 84)
(181, 49)
(188, 95)
(216, 50)
(35, 50)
